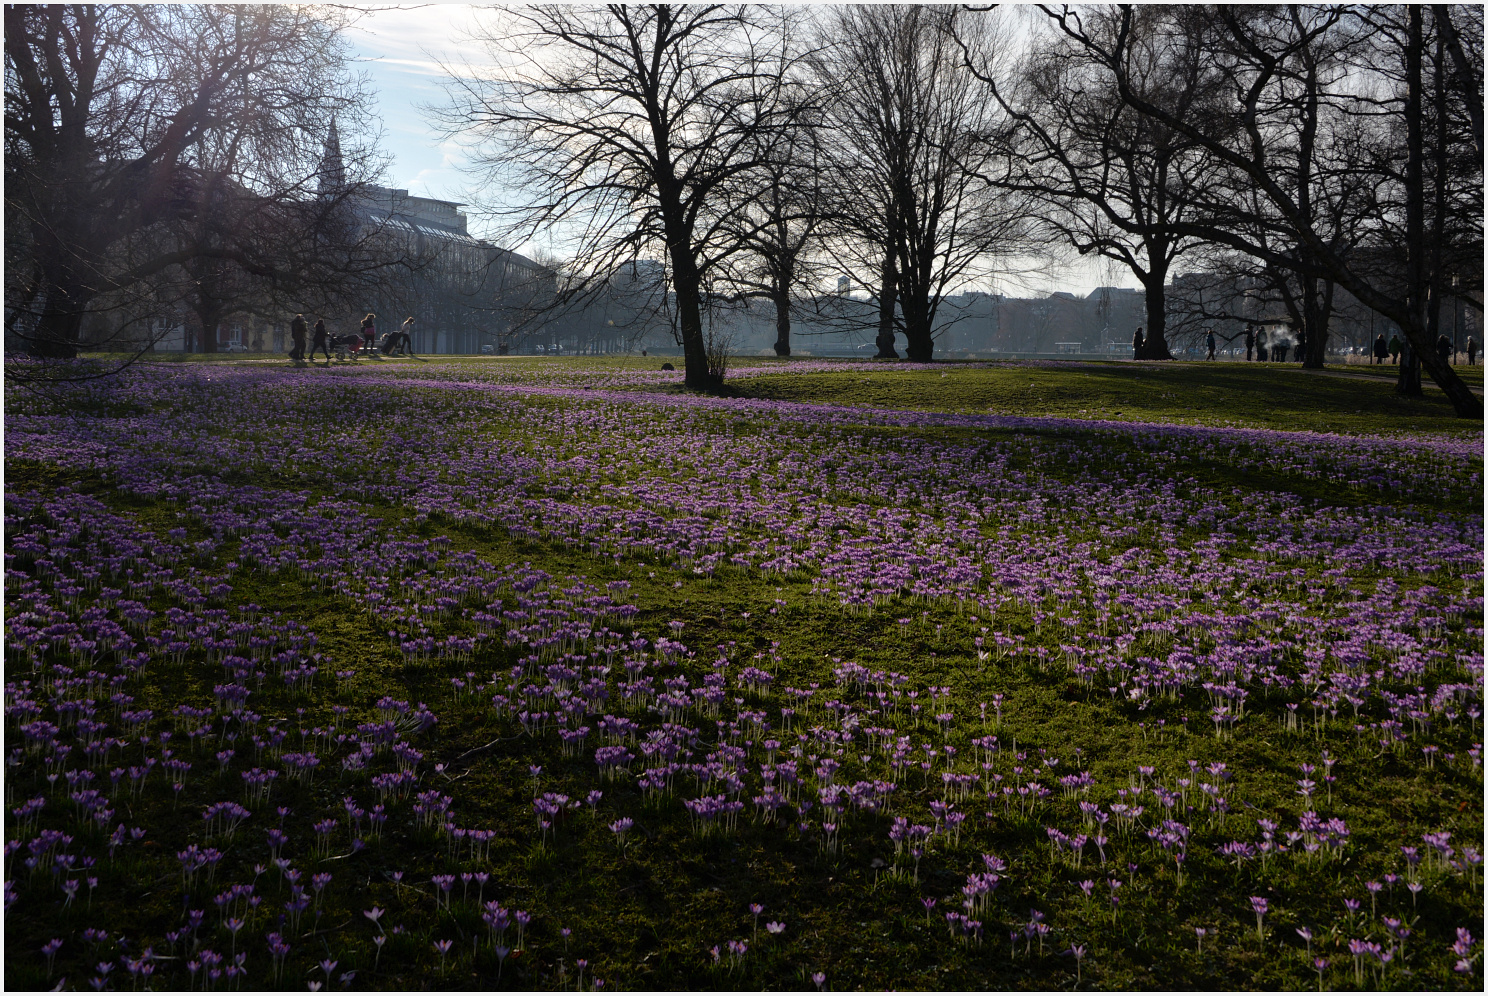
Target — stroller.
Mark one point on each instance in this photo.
(346, 347)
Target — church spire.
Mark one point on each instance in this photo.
(332, 173)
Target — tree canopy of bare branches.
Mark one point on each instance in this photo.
(907, 124)
(624, 125)
(1406, 140)
(1096, 174)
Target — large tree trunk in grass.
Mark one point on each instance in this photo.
(781, 297)
(686, 288)
(1317, 311)
(1408, 379)
(919, 342)
(1155, 346)
(61, 322)
(888, 295)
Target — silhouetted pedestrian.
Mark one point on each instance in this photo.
(1444, 348)
(1472, 351)
(297, 331)
(369, 331)
(1137, 340)
(1260, 345)
(1394, 349)
(1381, 350)
(1209, 340)
(1250, 342)
(319, 342)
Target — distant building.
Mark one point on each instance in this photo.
(464, 293)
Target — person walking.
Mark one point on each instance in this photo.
(1394, 349)
(1137, 340)
(297, 331)
(1380, 349)
(1209, 340)
(406, 332)
(369, 332)
(1260, 344)
(319, 342)
(1279, 350)
(1444, 348)
(1301, 345)
(1250, 342)
(1472, 351)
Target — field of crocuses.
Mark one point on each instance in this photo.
(442, 676)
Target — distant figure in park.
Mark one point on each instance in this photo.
(1394, 349)
(297, 331)
(1137, 340)
(1444, 348)
(407, 333)
(1279, 351)
(1209, 340)
(1380, 349)
(1301, 345)
(319, 342)
(369, 331)
(1260, 345)
(1472, 351)
(1250, 342)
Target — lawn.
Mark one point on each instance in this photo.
(539, 673)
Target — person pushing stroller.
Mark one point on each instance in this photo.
(399, 342)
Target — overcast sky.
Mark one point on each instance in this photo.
(402, 48)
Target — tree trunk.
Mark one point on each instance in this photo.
(61, 322)
(685, 285)
(1464, 402)
(782, 321)
(1317, 311)
(1472, 96)
(888, 296)
(1409, 379)
(919, 340)
(207, 338)
(1155, 346)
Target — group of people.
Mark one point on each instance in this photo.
(1444, 349)
(1258, 348)
(1256, 345)
(1262, 348)
(395, 343)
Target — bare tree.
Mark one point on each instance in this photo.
(907, 125)
(1104, 178)
(1259, 59)
(784, 205)
(623, 124)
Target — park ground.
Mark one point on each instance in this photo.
(1010, 675)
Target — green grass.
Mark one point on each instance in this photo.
(1267, 396)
